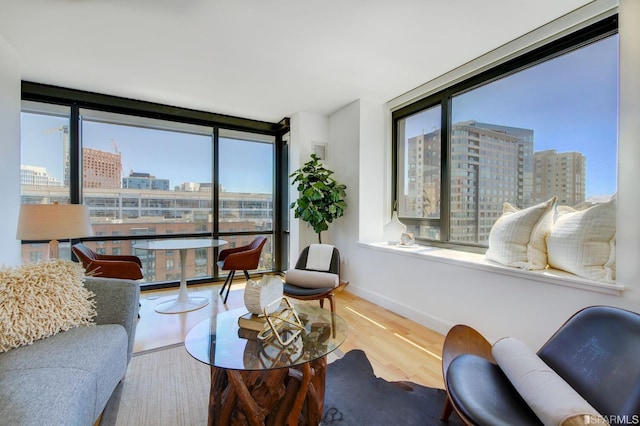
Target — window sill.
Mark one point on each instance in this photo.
(478, 261)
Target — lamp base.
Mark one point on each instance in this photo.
(54, 249)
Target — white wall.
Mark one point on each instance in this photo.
(306, 129)
(376, 188)
(439, 294)
(344, 136)
(357, 132)
(628, 253)
(10, 148)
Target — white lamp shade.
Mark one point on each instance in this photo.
(53, 222)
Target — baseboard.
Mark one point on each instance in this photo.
(421, 317)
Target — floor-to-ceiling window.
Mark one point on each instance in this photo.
(246, 187)
(146, 175)
(44, 165)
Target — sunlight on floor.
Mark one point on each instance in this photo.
(414, 344)
(366, 317)
(423, 349)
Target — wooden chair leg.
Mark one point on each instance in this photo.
(332, 303)
(446, 410)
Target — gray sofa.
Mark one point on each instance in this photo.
(67, 379)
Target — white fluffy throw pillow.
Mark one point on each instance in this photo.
(517, 238)
(583, 242)
(38, 300)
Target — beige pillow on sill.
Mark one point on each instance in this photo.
(517, 239)
(583, 242)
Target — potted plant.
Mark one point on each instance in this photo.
(321, 198)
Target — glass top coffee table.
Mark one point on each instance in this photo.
(259, 382)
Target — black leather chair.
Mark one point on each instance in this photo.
(597, 352)
(298, 289)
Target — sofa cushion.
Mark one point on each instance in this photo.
(94, 358)
(51, 396)
(517, 239)
(40, 299)
(583, 242)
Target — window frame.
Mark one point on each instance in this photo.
(77, 100)
(443, 97)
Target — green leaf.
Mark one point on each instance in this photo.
(321, 197)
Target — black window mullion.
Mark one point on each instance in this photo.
(75, 156)
(280, 201)
(445, 167)
(215, 193)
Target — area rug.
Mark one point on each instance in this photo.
(168, 387)
(355, 396)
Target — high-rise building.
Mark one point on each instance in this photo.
(423, 176)
(101, 169)
(490, 165)
(559, 174)
(525, 160)
(37, 177)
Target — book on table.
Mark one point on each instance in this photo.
(252, 321)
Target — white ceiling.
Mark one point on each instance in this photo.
(260, 59)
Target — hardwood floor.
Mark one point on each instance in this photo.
(399, 349)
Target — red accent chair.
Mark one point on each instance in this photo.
(244, 258)
(108, 266)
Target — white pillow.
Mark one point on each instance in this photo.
(517, 238)
(584, 242)
(319, 257)
(552, 399)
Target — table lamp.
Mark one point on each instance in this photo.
(53, 222)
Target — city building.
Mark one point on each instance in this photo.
(144, 181)
(130, 212)
(560, 174)
(491, 164)
(37, 177)
(101, 169)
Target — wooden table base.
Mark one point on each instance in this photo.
(285, 396)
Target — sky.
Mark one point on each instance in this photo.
(571, 104)
(245, 166)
